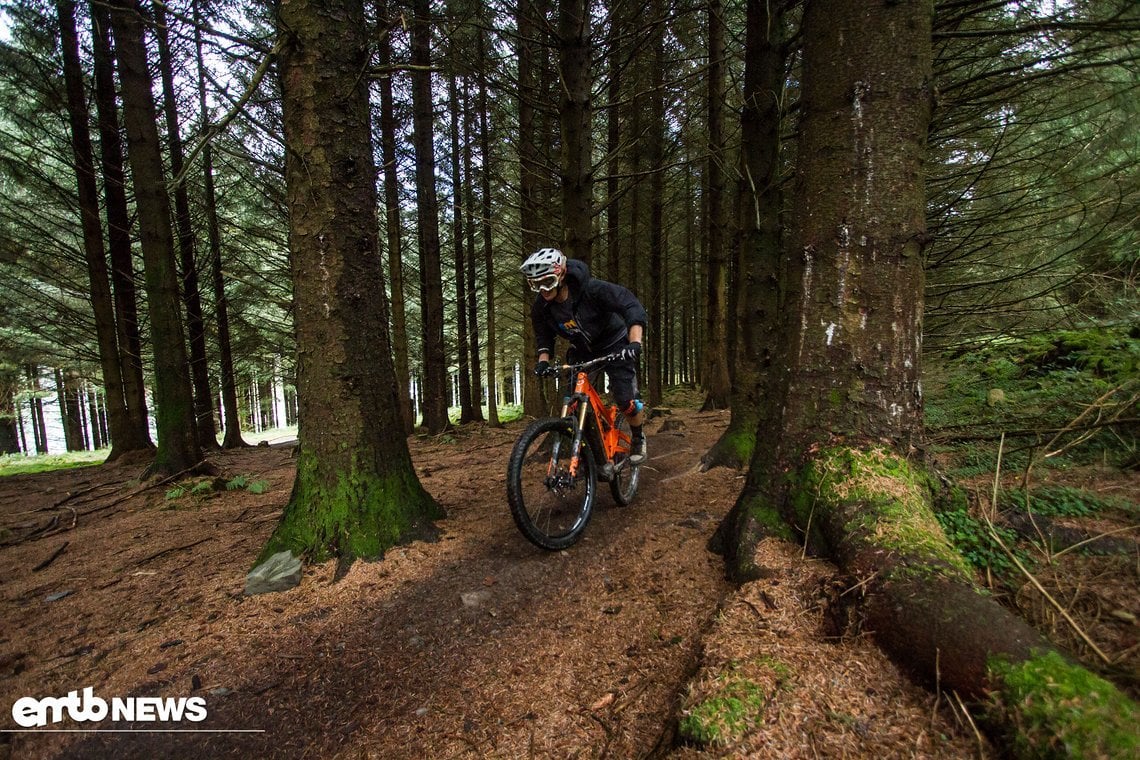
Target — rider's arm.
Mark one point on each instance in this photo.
(635, 333)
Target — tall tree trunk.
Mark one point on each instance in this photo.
(434, 394)
(231, 415)
(488, 248)
(463, 347)
(392, 219)
(575, 114)
(470, 260)
(759, 201)
(69, 387)
(615, 65)
(656, 158)
(102, 301)
(191, 296)
(178, 448)
(39, 426)
(530, 171)
(716, 377)
(136, 435)
(355, 492)
(9, 411)
(843, 464)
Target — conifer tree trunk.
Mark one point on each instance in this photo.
(231, 416)
(9, 412)
(178, 448)
(355, 493)
(463, 345)
(715, 376)
(759, 201)
(575, 114)
(433, 398)
(102, 301)
(655, 278)
(472, 296)
(530, 170)
(488, 248)
(191, 296)
(392, 219)
(136, 436)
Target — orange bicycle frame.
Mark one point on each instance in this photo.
(605, 433)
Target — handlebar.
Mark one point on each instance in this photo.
(554, 369)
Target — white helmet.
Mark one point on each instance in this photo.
(544, 269)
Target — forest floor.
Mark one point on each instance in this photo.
(477, 645)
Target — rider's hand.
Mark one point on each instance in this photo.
(631, 353)
(542, 369)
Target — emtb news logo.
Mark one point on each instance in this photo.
(30, 712)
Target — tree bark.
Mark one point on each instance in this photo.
(433, 398)
(472, 295)
(488, 248)
(136, 436)
(191, 296)
(715, 377)
(575, 114)
(355, 492)
(392, 220)
(463, 346)
(231, 415)
(102, 301)
(178, 448)
(656, 274)
(759, 201)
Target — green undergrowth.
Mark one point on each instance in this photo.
(19, 464)
(200, 488)
(1040, 383)
(974, 539)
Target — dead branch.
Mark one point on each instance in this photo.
(52, 558)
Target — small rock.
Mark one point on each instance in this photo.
(57, 596)
(157, 668)
(280, 572)
(421, 712)
(995, 396)
(220, 691)
(474, 599)
(169, 644)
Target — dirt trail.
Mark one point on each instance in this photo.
(478, 645)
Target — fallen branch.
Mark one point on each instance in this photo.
(52, 558)
(156, 555)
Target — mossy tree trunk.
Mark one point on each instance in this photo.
(355, 492)
(840, 467)
(759, 201)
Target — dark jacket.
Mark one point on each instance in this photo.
(602, 313)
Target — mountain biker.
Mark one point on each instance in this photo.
(598, 318)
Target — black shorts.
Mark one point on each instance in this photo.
(622, 376)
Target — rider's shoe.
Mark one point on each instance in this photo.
(637, 450)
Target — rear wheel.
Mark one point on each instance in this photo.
(623, 485)
(550, 506)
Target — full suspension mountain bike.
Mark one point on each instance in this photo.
(555, 466)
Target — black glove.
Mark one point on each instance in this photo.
(631, 353)
(542, 369)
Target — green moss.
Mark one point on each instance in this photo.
(1061, 710)
(360, 515)
(735, 703)
(881, 499)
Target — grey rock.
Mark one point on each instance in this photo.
(280, 572)
(473, 599)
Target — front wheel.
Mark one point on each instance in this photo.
(549, 505)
